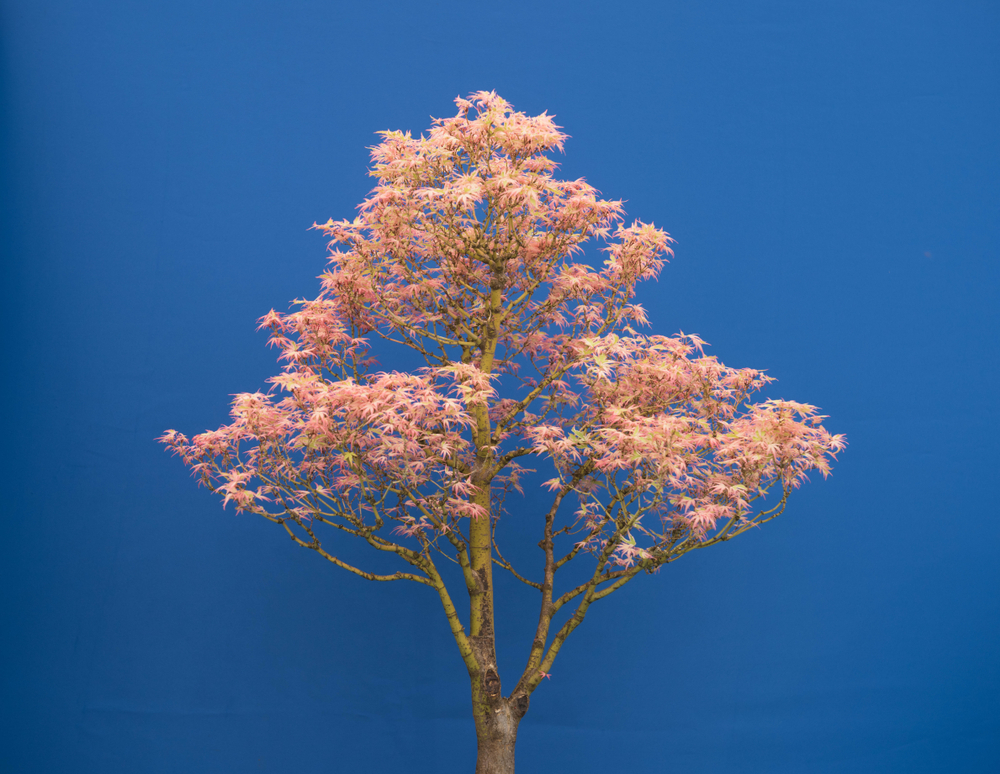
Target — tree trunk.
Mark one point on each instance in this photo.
(496, 734)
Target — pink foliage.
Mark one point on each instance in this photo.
(466, 250)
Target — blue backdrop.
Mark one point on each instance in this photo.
(830, 172)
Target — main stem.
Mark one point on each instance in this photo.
(496, 717)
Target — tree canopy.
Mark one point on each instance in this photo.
(471, 252)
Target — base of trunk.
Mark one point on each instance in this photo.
(497, 735)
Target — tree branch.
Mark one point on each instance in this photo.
(315, 546)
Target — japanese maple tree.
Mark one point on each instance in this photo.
(469, 251)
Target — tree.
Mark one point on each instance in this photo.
(464, 252)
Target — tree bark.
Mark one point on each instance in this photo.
(496, 717)
(496, 734)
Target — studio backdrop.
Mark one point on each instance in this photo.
(830, 175)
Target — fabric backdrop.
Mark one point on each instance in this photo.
(829, 170)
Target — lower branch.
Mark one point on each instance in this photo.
(591, 593)
(315, 546)
(457, 630)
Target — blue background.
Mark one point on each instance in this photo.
(830, 173)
